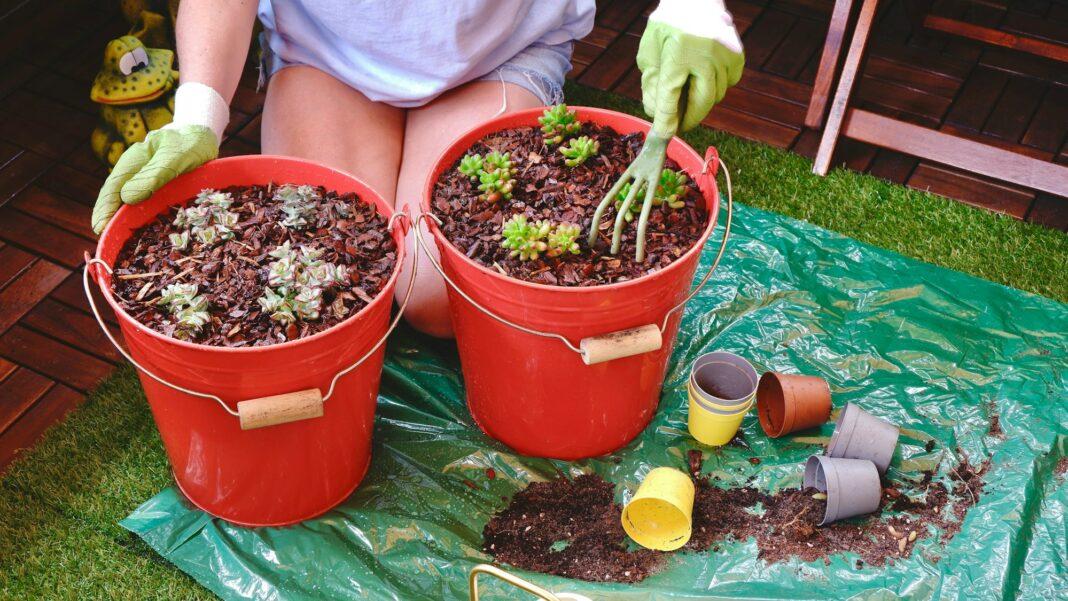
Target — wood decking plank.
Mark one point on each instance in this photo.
(29, 288)
(71, 293)
(17, 173)
(52, 358)
(61, 211)
(18, 392)
(13, 261)
(612, 65)
(976, 99)
(764, 36)
(42, 238)
(72, 183)
(751, 127)
(1013, 111)
(48, 410)
(73, 327)
(971, 189)
(1049, 126)
(797, 49)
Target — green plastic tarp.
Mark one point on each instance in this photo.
(932, 350)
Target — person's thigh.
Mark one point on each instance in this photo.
(311, 115)
(429, 131)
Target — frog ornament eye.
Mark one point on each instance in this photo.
(133, 61)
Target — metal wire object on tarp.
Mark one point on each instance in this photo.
(935, 351)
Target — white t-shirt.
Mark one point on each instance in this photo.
(407, 52)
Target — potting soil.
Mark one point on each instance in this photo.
(932, 350)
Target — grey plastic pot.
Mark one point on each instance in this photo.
(860, 435)
(852, 486)
(723, 381)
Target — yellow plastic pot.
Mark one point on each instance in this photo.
(660, 515)
(711, 426)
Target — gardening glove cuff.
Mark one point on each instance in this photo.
(146, 166)
(691, 46)
(198, 104)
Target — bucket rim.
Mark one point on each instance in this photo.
(600, 116)
(366, 191)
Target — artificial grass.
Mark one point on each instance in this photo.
(61, 502)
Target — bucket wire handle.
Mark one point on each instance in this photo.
(207, 395)
(712, 158)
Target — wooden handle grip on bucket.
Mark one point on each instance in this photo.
(624, 343)
(280, 409)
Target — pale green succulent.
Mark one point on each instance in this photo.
(209, 220)
(578, 150)
(189, 309)
(526, 240)
(563, 239)
(671, 188)
(299, 203)
(557, 123)
(471, 165)
(299, 277)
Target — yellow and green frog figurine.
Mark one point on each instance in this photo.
(135, 89)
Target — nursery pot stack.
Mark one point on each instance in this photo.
(533, 393)
(283, 473)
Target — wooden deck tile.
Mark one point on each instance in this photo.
(1014, 109)
(1049, 126)
(972, 189)
(13, 261)
(1050, 211)
(74, 327)
(71, 293)
(52, 358)
(72, 183)
(48, 410)
(804, 41)
(29, 288)
(19, 172)
(751, 127)
(612, 65)
(18, 392)
(892, 166)
(42, 238)
(765, 35)
(50, 207)
(977, 98)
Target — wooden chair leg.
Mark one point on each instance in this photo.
(832, 49)
(845, 87)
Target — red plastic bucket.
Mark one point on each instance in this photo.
(280, 474)
(531, 392)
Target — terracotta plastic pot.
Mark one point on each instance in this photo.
(852, 486)
(521, 348)
(279, 474)
(860, 435)
(788, 403)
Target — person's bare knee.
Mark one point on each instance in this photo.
(429, 130)
(311, 115)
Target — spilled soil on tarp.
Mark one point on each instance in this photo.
(572, 528)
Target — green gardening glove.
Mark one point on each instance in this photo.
(146, 166)
(691, 47)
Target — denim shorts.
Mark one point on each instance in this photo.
(538, 68)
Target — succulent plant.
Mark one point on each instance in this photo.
(496, 180)
(557, 123)
(471, 165)
(299, 203)
(277, 305)
(635, 207)
(526, 240)
(578, 150)
(209, 220)
(563, 239)
(180, 240)
(299, 277)
(671, 188)
(189, 309)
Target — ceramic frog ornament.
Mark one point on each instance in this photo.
(135, 89)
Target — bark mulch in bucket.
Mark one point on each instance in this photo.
(338, 247)
(784, 525)
(547, 189)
